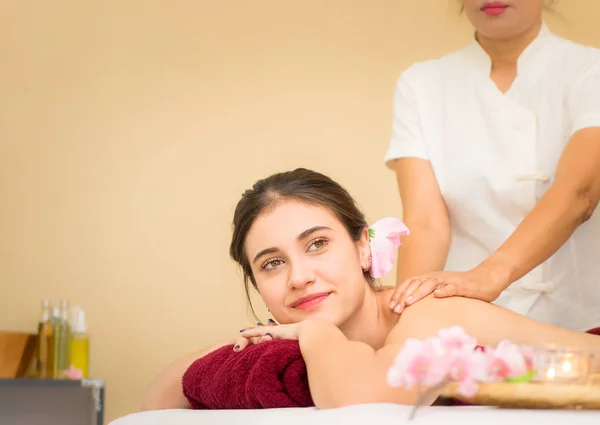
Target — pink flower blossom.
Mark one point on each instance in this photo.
(506, 361)
(384, 238)
(453, 356)
(419, 362)
(455, 338)
(468, 368)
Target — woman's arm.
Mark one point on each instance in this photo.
(166, 391)
(343, 372)
(425, 214)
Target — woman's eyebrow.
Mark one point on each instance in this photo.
(301, 236)
(310, 231)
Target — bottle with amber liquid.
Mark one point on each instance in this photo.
(44, 347)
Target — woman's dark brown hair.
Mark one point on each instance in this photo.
(301, 185)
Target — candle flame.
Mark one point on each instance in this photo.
(550, 373)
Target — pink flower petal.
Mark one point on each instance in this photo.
(390, 228)
(383, 257)
(385, 239)
(73, 373)
(507, 361)
(467, 388)
(456, 338)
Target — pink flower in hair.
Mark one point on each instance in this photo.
(384, 236)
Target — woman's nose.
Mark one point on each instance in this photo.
(301, 274)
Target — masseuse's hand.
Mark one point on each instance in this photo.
(262, 333)
(481, 283)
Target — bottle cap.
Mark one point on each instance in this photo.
(78, 320)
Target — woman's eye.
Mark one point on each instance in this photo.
(319, 243)
(271, 264)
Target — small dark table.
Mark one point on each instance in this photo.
(51, 401)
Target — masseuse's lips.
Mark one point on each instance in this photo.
(494, 7)
(309, 301)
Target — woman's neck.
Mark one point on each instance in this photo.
(373, 321)
(506, 52)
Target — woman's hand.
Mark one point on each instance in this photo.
(483, 283)
(270, 332)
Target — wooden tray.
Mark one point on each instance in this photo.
(533, 395)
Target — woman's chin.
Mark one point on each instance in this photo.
(326, 315)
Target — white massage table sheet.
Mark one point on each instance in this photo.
(366, 414)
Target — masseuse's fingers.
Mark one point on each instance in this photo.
(421, 290)
(460, 289)
(398, 295)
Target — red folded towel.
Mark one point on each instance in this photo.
(262, 376)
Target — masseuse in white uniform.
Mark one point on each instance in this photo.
(496, 149)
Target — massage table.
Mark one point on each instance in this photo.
(367, 414)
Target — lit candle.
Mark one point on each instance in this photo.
(561, 366)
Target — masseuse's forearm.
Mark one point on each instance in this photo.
(569, 202)
(541, 233)
(424, 250)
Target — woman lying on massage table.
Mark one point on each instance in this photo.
(305, 246)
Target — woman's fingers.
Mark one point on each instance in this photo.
(257, 332)
(256, 335)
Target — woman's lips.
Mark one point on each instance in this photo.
(311, 303)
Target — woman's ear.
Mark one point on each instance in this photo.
(364, 250)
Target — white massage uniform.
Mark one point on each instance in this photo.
(495, 154)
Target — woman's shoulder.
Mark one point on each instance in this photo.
(424, 318)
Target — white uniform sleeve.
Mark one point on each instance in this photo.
(407, 135)
(585, 102)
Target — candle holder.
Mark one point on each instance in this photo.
(562, 365)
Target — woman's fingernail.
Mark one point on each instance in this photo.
(242, 330)
(271, 321)
(398, 309)
(237, 347)
(259, 324)
(269, 335)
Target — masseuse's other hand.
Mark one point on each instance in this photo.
(480, 283)
(263, 333)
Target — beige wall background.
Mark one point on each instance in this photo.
(129, 129)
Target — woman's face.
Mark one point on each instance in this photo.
(501, 20)
(306, 265)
